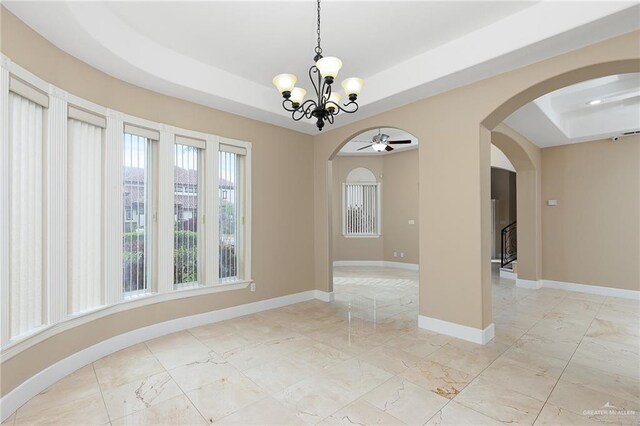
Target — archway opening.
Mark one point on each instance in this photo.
(374, 242)
(560, 123)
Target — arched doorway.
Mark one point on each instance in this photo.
(455, 132)
(526, 158)
(355, 154)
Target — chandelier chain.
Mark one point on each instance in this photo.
(318, 49)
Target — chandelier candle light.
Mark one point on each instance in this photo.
(326, 104)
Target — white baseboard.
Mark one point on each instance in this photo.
(579, 288)
(592, 289)
(50, 375)
(380, 263)
(325, 296)
(508, 275)
(459, 331)
(530, 284)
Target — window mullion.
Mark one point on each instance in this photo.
(200, 219)
(165, 220)
(212, 237)
(246, 213)
(113, 224)
(5, 330)
(56, 208)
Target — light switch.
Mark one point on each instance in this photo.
(412, 222)
(552, 202)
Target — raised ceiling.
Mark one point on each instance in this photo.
(224, 54)
(596, 109)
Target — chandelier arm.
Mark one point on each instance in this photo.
(344, 107)
(316, 87)
(287, 104)
(326, 92)
(304, 110)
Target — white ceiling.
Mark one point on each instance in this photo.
(224, 54)
(565, 115)
(364, 139)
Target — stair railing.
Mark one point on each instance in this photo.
(509, 244)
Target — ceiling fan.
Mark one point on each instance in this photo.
(381, 142)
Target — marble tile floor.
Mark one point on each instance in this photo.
(557, 358)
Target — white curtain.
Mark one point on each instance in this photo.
(26, 214)
(84, 216)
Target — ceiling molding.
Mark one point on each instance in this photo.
(93, 33)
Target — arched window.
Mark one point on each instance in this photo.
(361, 204)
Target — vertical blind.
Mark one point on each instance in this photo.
(84, 176)
(186, 215)
(229, 214)
(26, 214)
(88, 176)
(361, 209)
(136, 197)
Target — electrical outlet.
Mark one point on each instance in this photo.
(395, 254)
(401, 254)
(253, 286)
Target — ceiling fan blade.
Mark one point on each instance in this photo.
(388, 148)
(399, 142)
(364, 147)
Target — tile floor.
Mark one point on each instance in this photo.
(558, 358)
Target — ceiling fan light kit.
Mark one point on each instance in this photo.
(326, 104)
(381, 142)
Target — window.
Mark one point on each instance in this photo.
(84, 211)
(231, 212)
(187, 228)
(68, 245)
(361, 204)
(138, 196)
(26, 213)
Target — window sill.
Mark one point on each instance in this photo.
(21, 343)
(362, 236)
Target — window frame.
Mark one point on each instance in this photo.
(243, 195)
(18, 88)
(151, 211)
(378, 210)
(79, 114)
(201, 147)
(56, 236)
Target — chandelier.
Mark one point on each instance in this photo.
(326, 103)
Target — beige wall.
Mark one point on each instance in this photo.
(593, 235)
(454, 129)
(282, 200)
(398, 175)
(399, 205)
